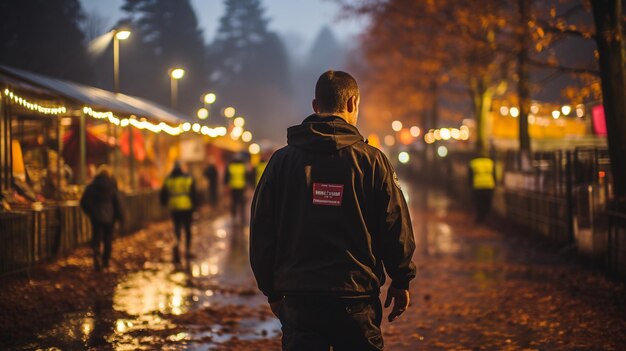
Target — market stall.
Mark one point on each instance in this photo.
(53, 134)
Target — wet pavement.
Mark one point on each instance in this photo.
(478, 288)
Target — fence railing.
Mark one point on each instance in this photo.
(616, 258)
(31, 236)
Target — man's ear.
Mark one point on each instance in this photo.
(352, 103)
(316, 108)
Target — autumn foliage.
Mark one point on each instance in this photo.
(428, 61)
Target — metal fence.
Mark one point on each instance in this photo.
(31, 236)
(616, 258)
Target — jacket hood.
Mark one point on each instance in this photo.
(102, 182)
(323, 134)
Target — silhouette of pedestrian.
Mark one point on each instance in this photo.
(101, 201)
(179, 195)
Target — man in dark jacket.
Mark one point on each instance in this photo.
(101, 201)
(180, 197)
(328, 219)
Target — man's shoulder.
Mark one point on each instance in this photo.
(373, 154)
(281, 153)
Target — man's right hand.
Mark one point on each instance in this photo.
(401, 298)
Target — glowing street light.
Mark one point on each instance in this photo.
(239, 122)
(203, 113)
(229, 112)
(210, 98)
(117, 36)
(415, 131)
(175, 75)
(122, 34)
(556, 114)
(580, 110)
(514, 111)
(534, 109)
(246, 137)
(404, 157)
(396, 126)
(254, 149)
(429, 138)
(236, 133)
(566, 109)
(504, 110)
(445, 133)
(442, 151)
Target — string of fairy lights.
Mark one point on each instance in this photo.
(141, 123)
(46, 110)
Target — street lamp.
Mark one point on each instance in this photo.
(203, 113)
(239, 122)
(229, 112)
(175, 75)
(396, 126)
(209, 99)
(117, 36)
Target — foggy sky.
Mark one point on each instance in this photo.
(297, 21)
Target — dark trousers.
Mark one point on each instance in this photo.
(182, 222)
(482, 199)
(237, 204)
(315, 324)
(213, 196)
(101, 233)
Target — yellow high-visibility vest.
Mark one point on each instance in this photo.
(237, 175)
(482, 167)
(179, 193)
(260, 168)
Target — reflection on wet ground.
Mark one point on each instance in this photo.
(477, 288)
(161, 304)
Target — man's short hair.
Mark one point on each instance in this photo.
(333, 89)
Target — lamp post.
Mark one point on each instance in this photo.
(175, 75)
(117, 36)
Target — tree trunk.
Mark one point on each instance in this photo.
(482, 97)
(609, 39)
(523, 90)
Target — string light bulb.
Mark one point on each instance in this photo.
(46, 110)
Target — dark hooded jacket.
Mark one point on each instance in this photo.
(101, 200)
(328, 216)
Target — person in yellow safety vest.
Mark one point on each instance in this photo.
(236, 178)
(482, 179)
(179, 195)
(258, 171)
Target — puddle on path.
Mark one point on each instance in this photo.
(207, 301)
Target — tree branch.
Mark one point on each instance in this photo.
(545, 25)
(561, 68)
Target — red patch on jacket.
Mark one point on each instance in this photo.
(327, 194)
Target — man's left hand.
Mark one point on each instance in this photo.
(400, 298)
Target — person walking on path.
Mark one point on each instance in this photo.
(210, 173)
(258, 170)
(236, 178)
(328, 219)
(482, 180)
(102, 203)
(179, 195)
